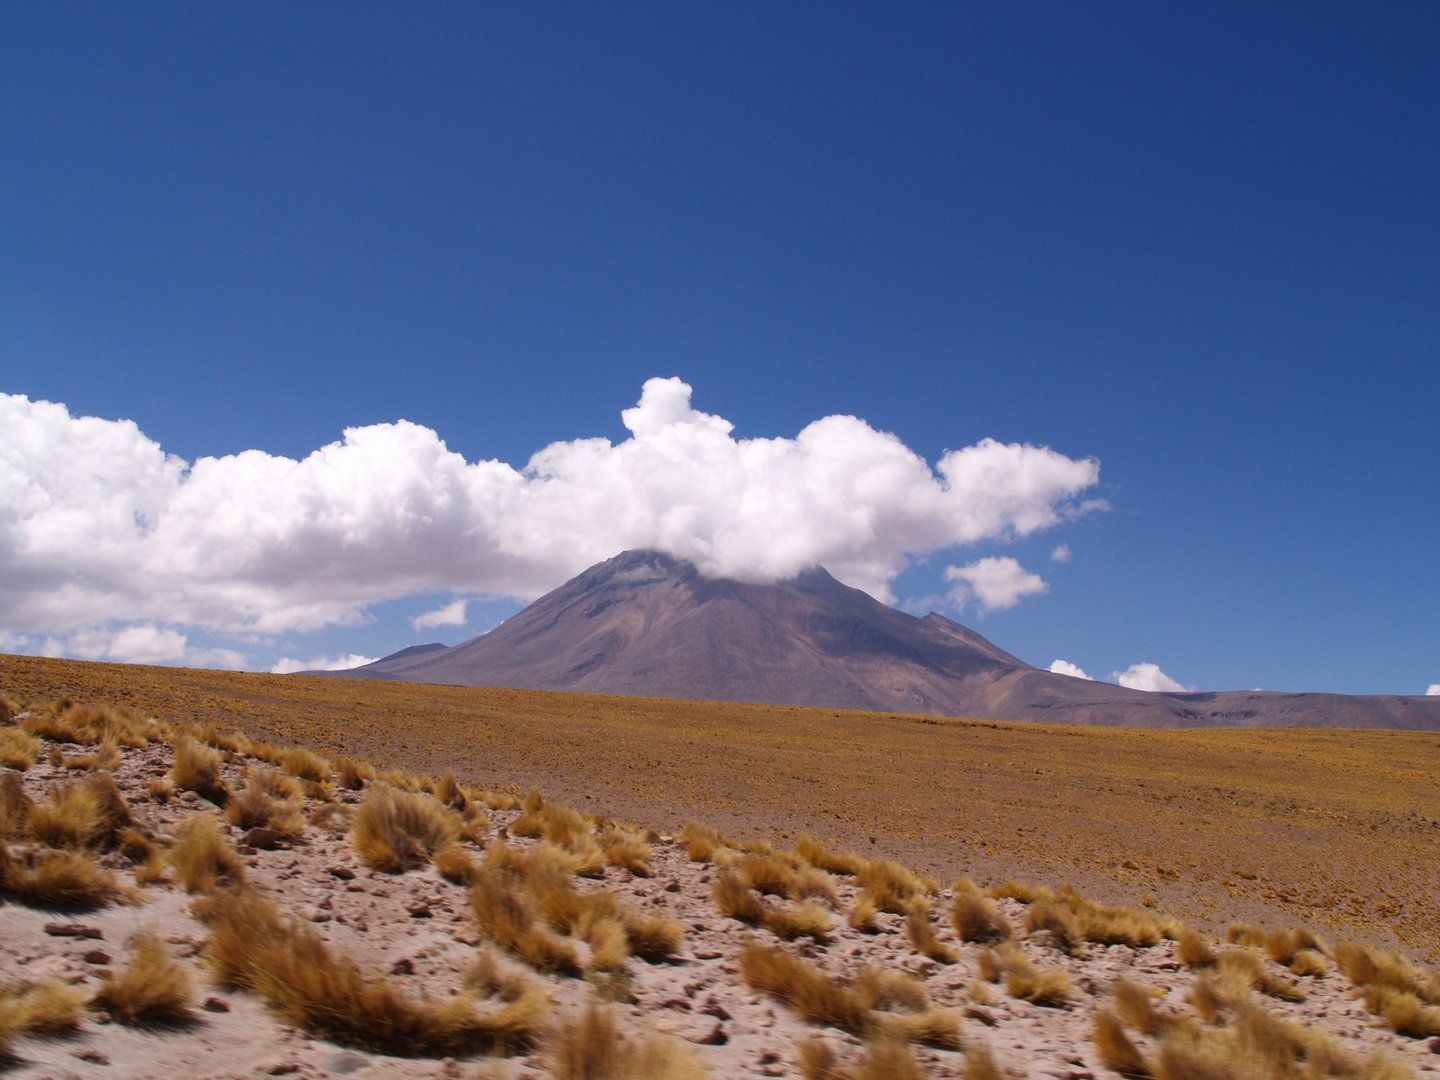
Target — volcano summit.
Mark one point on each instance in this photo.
(644, 624)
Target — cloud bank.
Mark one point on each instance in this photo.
(288, 665)
(103, 532)
(1148, 677)
(995, 582)
(452, 614)
(1434, 690)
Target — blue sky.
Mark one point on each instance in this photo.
(1197, 243)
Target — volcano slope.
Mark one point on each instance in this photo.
(645, 624)
(182, 900)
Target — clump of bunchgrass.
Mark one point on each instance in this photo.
(921, 933)
(57, 879)
(307, 765)
(46, 1008)
(203, 856)
(15, 806)
(256, 806)
(254, 947)
(89, 813)
(17, 749)
(395, 830)
(590, 1047)
(196, 768)
(976, 918)
(153, 989)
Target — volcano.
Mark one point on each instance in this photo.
(646, 625)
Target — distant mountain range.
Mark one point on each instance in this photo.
(648, 625)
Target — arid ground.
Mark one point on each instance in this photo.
(1339, 830)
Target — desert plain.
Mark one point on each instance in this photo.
(1332, 830)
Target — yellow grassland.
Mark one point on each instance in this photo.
(1333, 828)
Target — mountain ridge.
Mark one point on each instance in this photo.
(645, 624)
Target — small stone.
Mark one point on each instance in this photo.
(709, 1035)
(466, 936)
(974, 1012)
(676, 1003)
(246, 850)
(95, 1057)
(97, 956)
(716, 1010)
(418, 911)
(262, 838)
(346, 1063)
(279, 1068)
(705, 953)
(73, 929)
(344, 873)
(403, 966)
(672, 885)
(216, 1004)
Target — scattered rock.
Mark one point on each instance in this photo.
(216, 1005)
(95, 1057)
(97, 956)
(279, 1068)
(418, 910)
(403, 966)
(975, 1012)
(73, 929)
(346, 1063)
(344, 873)
(262, 838)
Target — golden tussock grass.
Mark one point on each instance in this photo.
(160, 790)
(921, 933)
(817, 855)
(1282, 946)
(1365, 966)
(736, 899)
(17, 749)
(297, 761)
(1137, 1005)
(1010, 889)
(1040, 986)
(196, 768)
(153, 989)
(86, 814)
(627, 851)
(885, 988)
(590, 1047)
(492, 976)
(980, 1064)
(884, 1059)
(351, 774)
(804, 987)
(86, 725)
(1116, 1049)
(254, 947)
(255, 807)
(1060, 923)
(1403, 1011)
(862, 915)
(449, 792)
(505, 906)
(790, 876)
(46, 1008)
(1309, 962)
(891, 887)
(15, 806)
(203, 856)
(1247, 968)
(566, 828)
(58, 879)
(1193, 950)
(454, 863)
(395, 830)
(701, 842)
(976, 918)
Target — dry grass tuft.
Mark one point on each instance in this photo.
(565, 827)
(257, 806)
(88, 814)
(702, 842)
(1118, 1051)
(976, 918)
(591, 1048)
(203, 856)
(736, 899)
(15, 806)
(1246, 968)
(921, 933)
(862, 916)
(891, 887)
(818, 856)
(504, 901)
(1193, 950)
(154, 989)
(394, 830)
(1309, 962)
(351, 774)
(1247, 934)
(58, 879)
(1283, 945)
(17, 749)
(197, 768)
(1040, 986)
(1403, 1011)
(1365, 966)
(804, 987)
(884, 988)
(297, 761)
(935, 1027)
(160, 790)
(1048, 916)
(980, 1064)
(47, 1008)
(628, 851)
(454, 864)
(1010, 889)
(86, 725)
(254, 947)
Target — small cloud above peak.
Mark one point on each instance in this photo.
(996, 582)
(1061, 554)
(1434, 690)
(287, 665)
(1064, 667)
(1149, 677)
(452, 614)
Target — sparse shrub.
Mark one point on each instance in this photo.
(454, 864)
(297, 761)
(154, 989)
(197, 768)
(254, 947)
(254, 808)
(1248, 969)
(921, 932)
(891, 887)
(1403, 1011)
(628, 851)
(702, 842)
(351, 774)
(394, 830)
(1117, 1050)
(862, 915)
(161, 789)
(203, 855)
(590, 1048)
(17, 749)
(1040, 986)
(1193, 950)
(976, 918)
(1309, 962)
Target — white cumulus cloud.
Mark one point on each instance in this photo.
(1148, 677)
(1434, 690)
(996, 582)
(287, 665)
(1064, 667)
(1061, 554)
(449, 615)
(99, 526)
